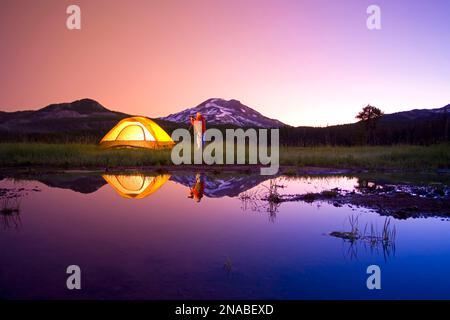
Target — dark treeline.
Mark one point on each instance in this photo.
(423, 132)
(83, 137)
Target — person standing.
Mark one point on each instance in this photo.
(199, 124)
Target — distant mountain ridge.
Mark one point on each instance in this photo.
(86, 120)
(82, 107)
(415, 114)
(84, 114)
(225, 112)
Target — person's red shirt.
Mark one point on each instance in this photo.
(199, 119)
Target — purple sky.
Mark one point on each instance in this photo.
(302, 62)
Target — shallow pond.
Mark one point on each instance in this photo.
(195, 236)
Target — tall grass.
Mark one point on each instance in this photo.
(369, 157)
(78, 155)
(90, 155)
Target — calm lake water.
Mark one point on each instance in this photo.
(191, 236)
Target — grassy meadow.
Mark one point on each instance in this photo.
(404, 157)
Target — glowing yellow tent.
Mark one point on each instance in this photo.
(135, 186)
(137, 132)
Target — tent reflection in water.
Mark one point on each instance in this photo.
(138, 132)
(136, 186)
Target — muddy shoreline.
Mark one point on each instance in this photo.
(418, 202)
(249, 169)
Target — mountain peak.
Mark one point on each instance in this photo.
(231, 112)
(79, 115)
(417, 114)
(83, 106)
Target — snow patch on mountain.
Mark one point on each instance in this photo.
(221, 112)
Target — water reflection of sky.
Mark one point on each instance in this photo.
(168, 246)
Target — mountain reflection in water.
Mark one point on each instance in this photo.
(139, 185)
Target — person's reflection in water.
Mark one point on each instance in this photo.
(197, 190)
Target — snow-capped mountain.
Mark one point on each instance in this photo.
(221, 112)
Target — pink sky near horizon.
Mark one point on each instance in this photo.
(302, 62)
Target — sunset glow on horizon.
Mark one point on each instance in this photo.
(301, 62)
